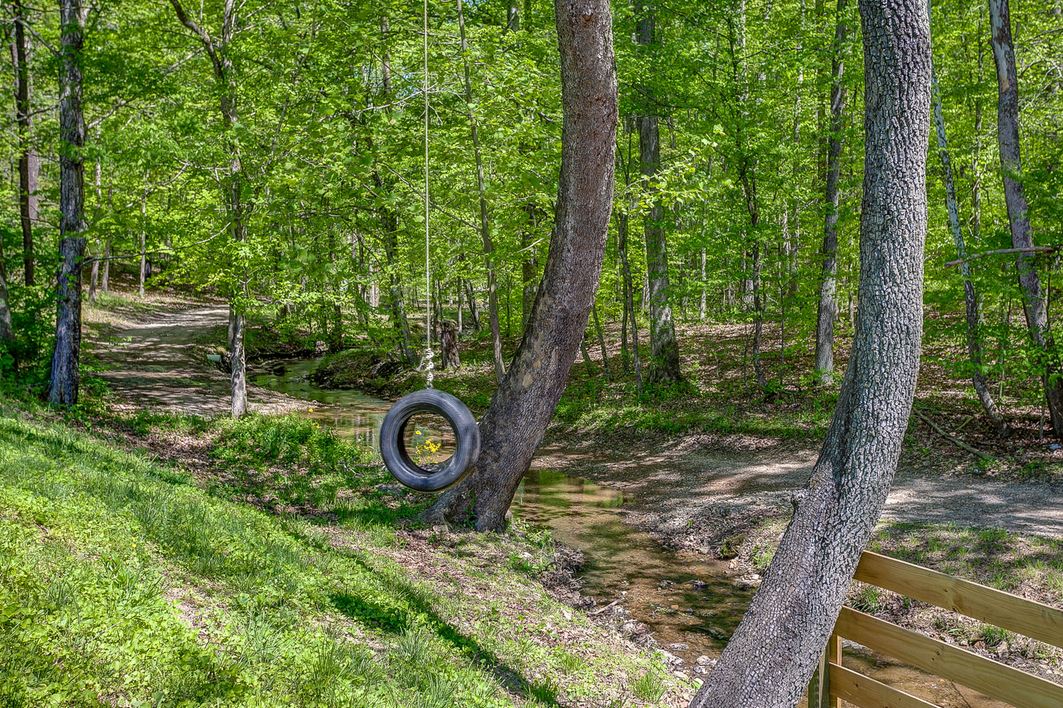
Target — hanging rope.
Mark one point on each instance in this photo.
(429, 365)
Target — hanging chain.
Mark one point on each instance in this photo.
(428, 362)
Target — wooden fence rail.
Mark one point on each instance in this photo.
(835, 682)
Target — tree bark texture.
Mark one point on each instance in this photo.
(772, 655)
(65, 371)
(828, 279)
(1033, 299)
(514, 424)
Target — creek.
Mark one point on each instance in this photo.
(690, 604)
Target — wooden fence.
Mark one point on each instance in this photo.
(834, 682)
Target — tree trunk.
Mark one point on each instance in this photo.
(7, 332)
(105, 277)
(28, 161)
(522, 406)
(65, 372)
(485, 223)
(238, 377)
(772, 655)
(828, 280)
(664, 349)
(474, 310)
(970, 297)
(512, 16)
(529, 269)
(601, 340)
(143, 241)
(448, 344)
(217, 50)
(1018, 211)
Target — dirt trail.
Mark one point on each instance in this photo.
(687, 489)
(676, 487)
(159, 361)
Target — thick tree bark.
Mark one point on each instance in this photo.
(970, 297)
(828, 279)
(28, 161)
(481, 191)
(522, 406)
(65, 372)
(772, 655)
(664, 349)
(1033, 299)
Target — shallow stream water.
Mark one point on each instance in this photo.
(690, 604)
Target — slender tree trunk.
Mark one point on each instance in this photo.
(758, 318)
(522, 406)
(601, 340)
(217, 50)
(28, 161)
(474, 310)
(664, 349)
(143, 240)
(772, 655)
(747, 176)
(512, 16)
(485, 223)
(970, 297)
(1018, 211)
(7, 331)
(105, 278)
(65, 372)
(529, 268)
(703, 306)
(828, 279)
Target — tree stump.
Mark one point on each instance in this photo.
(448, 341)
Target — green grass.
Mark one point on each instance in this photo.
(126, 581)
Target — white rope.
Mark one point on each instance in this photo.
(428, 363)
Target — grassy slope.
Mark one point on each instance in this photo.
(122, 580)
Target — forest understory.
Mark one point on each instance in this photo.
(716, 484)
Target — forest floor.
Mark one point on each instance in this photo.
(710, 473)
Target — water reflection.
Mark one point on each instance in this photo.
(685, 599)
(352, 415)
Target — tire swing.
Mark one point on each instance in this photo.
(429, 477)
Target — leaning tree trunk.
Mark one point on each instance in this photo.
(65, 373)
(664, 349)
(522, 406)
(828, 279)
(970, 297)
(28, 161)
(775, 650)
(1033, 300)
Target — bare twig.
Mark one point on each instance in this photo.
(1003, 251)
(951, 438)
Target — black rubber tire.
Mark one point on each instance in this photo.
(393, 443)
